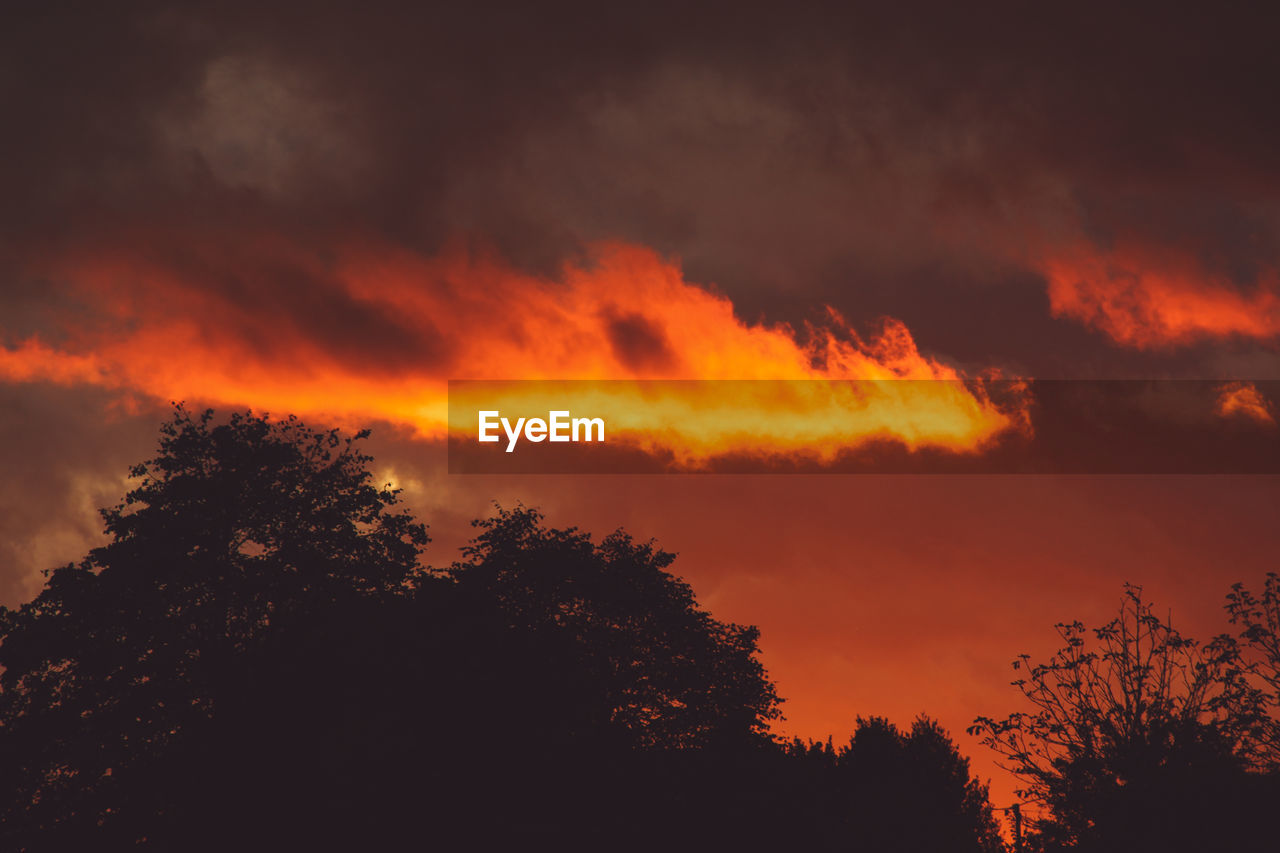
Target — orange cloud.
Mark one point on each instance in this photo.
(361, 331)
(1148, 298)
(1244, 400)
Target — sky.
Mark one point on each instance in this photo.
(333, 209)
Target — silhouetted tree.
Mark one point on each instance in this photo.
(1136, 740)
(123, 661)
(1257, 619)
(667, 673)
(897, 792)
(256, 660)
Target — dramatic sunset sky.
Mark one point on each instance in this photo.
(333, 210)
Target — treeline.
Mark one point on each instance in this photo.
(258, 660)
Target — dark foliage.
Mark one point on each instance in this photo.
(257, 661)
(666, 673)
(124, 660)
(1257, 644)
(1139, 738)
(895, 791)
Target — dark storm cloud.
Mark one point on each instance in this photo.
(420, 102)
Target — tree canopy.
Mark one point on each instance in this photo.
(1138, 737)
(668, 673)
(258, 659)
(231, 529)
(1257, 649)
(893, 790)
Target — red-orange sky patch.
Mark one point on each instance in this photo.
(1147, 297)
